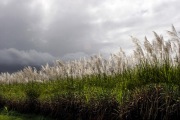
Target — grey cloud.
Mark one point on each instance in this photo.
(141, 22)
(15, 59)
(16, 20)
(70, 30)
(72, 56)
(32, 57)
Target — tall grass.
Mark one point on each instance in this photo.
(157, 53)
(143, 85)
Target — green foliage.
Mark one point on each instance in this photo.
(33, 91)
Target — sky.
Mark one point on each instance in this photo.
(34, 32)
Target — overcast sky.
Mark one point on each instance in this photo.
(33, 32)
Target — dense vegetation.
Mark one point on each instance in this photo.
(145, 85)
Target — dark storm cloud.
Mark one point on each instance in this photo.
(13, 56)
(12, 59)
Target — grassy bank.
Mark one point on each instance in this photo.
(101, 97)
(145, 85)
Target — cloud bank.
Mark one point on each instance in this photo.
(13, 59)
